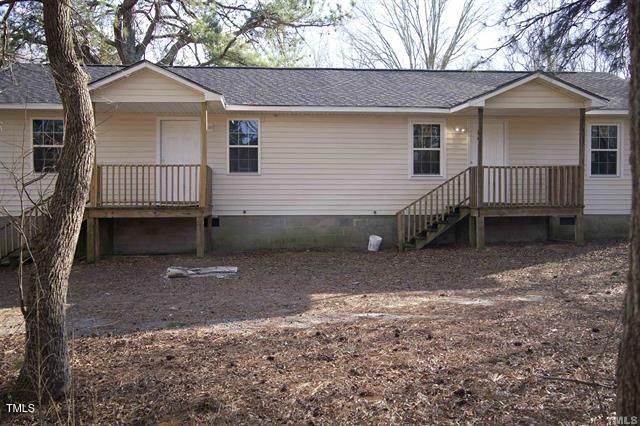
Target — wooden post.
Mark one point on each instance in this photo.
(553, 227)
(579, 227)
(202, 189)
(479, 232)
(476, 231)
(202, 193)
(400, 232)
(480, 178)
(96, 233)
(91, 240)
(200, 236)
(472, 231)
(93, 202)
(581, 160)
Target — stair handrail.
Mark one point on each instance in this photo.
(422, 218)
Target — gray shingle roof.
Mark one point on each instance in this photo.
(322, 87)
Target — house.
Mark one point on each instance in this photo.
(190, 158)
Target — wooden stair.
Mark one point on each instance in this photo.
(424, 220)
(436, 229)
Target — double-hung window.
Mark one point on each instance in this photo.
(47, 135)
(244, 140)
(427, 149)
(605, 147)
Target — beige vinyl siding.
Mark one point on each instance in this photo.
(123, 138)
(535, 94)
(610, 194)
(323, 164)
(127, 138)
(146, 86)
(554, 141)
(16, 160)
(326, 165)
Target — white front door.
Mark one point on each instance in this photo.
(493, 144)
(179, 144)
(493, 154)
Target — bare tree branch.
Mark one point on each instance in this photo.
(419, 27)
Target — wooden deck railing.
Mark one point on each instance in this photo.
(19, 229)
(149, 185)
(524, 186)
(503, 187)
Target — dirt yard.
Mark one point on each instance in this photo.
(512, 334)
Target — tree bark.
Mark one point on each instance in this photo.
(125, 33)
(45, 374)
(628, 374)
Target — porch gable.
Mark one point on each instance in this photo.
(537, 94)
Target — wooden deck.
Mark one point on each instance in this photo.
(148, 191)
(492, 191)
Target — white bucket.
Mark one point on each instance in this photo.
(374, 242)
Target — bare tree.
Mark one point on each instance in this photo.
(411, 33)
(45, 371)
(628, 394)
(534, 50)
(558, 35)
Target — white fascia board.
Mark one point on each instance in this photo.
(275, 108)
(31, 106)
(608, 112)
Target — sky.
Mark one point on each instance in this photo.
(327, 48)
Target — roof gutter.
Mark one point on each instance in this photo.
(344, 109)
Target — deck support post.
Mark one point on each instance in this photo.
(553, 227)
(479, 231)
(472, 231)
(91, 240)
(200, 236)
(476, 231)
(96, 238)
(579, 229)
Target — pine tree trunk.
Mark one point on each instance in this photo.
(45, 373)
(628, 392)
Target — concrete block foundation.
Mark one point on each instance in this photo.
(245, 233)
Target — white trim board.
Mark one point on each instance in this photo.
(226, 139)
(620, 151)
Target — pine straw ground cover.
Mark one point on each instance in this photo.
(511, 334)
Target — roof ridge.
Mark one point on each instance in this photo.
(402, 70)
(343, 69)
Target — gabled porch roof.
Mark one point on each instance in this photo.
(123, 73)
(590, 100)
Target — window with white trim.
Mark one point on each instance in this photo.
(605, 144)
(427, 149)
(48, 135)
(244, 153)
